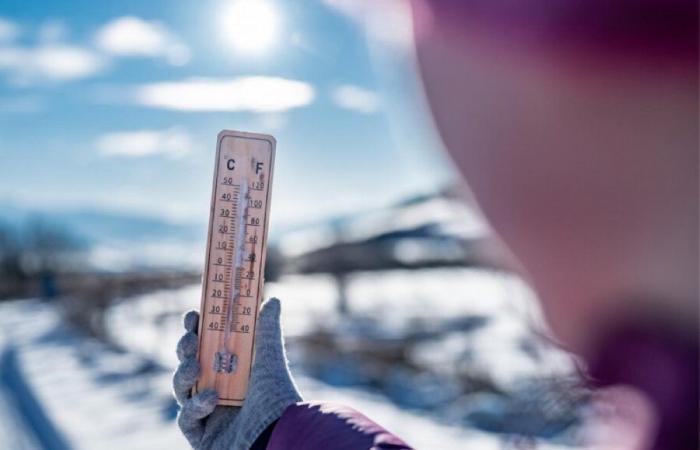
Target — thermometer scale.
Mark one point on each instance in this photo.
(232, 285)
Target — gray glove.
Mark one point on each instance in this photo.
(270, 391)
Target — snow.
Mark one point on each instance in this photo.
(398, 297)
(151, 325)
(98, 396)
(91, 393)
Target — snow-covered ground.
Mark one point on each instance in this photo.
(94, 397)
(151, 325)
(99, 396)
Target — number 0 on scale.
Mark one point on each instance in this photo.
(232, 286)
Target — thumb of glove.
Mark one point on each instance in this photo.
(271, 389)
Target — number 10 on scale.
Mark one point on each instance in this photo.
(232, 285)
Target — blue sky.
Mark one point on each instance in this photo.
(116, 106)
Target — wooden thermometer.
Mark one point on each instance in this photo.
(232, 286)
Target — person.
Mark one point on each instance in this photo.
(575, 126)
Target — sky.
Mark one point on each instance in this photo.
(116, 105)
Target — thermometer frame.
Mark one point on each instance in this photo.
(233, 391)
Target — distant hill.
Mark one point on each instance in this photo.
(429, 230)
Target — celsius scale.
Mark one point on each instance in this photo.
(232, 286)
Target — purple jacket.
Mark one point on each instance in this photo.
(312, 426)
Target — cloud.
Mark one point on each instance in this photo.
(47, 60)
(388, 22)
(50, 62)
(173, 143)
(356, 98)
(52, 59)
(53, 31)
(8, 30)
(134, 37)
(254, 93)
(272, 122)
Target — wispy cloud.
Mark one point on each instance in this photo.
(386, 21)
(272, 122)
(50, 62)
(135, 37)
(49, 59)
(9, 30)
(53, 31)
(356, 98)
(254, 93)
(172, 143)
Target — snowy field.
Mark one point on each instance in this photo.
(98, 398)
(150, 324)
(94, 396)
(91, 395)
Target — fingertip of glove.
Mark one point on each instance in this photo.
(272, 307)
(186, 374)
(187, 346)
(206, 400)
(191, 320)
(198, 407)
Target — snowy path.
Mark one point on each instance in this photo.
(29, 426)
(16, 431)
(94, 396)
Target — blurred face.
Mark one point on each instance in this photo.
(582, 156)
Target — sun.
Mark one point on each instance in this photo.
(249, 26)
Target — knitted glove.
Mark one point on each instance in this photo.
(270, 391)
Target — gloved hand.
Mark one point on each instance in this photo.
(270, 391)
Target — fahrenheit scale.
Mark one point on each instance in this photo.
(233, 274)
